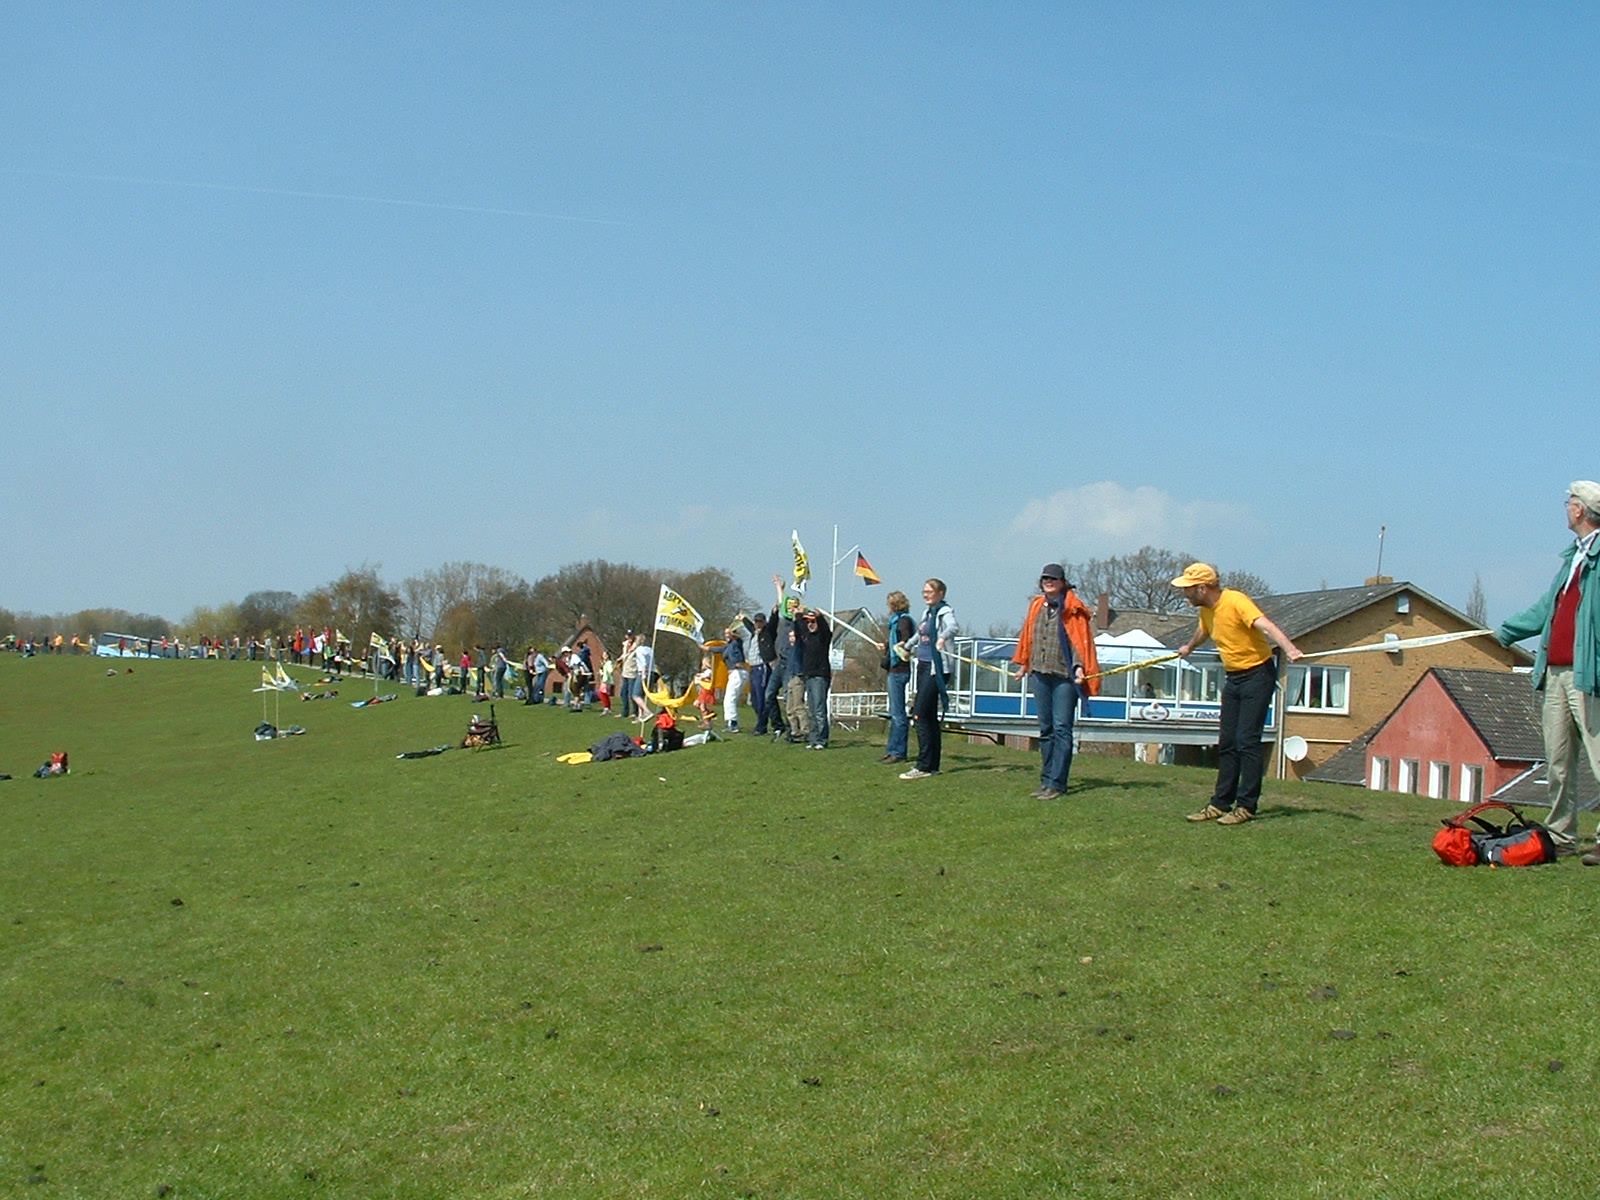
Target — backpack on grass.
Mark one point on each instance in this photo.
(1517, 842)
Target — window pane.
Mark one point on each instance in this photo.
(1295, 690)
(1338, 687)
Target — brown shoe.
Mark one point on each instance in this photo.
(1236, 816)
(1591, 859)
(1209, 813)
(1047, 794)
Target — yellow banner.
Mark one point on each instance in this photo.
(802, 564)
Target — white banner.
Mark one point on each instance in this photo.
(676, 615)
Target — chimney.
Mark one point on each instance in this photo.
(1102, 611)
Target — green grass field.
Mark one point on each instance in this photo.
(304, 968)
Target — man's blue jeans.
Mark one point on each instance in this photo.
(817, 705)
(1056, 699)
(758, 694)
(899, 722)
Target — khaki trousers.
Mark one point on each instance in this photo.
(795, 706)
(1571, 718)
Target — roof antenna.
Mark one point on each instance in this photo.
(1378, 575)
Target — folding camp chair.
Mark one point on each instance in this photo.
(482, 733)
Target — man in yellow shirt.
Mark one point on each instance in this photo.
(1241, 632)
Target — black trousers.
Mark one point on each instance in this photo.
(1246, 696)
(925, 711)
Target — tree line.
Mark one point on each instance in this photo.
(456, 605)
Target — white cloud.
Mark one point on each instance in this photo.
(1107, 518)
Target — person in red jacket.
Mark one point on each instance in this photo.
(1056, 652)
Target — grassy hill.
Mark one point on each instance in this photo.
(304, 968)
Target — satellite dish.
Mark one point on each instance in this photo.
(1295, 748)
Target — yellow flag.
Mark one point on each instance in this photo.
(802, 564)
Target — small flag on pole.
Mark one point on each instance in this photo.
(864, 569)
(677, 615)
(802, 564)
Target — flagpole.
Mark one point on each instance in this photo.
(833, 574)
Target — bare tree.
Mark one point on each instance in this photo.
(261, 613)
(1477, 607)
(716, 597)
(464, 603)
(357, 604)
(612, 597)
(1247, 582)
(1143, 580)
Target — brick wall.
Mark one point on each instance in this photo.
(1378, 682)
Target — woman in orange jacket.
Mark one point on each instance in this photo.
(1056, 652)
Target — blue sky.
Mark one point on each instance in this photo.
(292, 288)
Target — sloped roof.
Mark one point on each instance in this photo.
(1349, 765)
(860, 619)
(1502, 707)
(1298, 613)
(1533, 787)
(1170, 629)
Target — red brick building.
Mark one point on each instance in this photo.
(1458, 734)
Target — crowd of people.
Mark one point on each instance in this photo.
(782, 659)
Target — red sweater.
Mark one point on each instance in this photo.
(1563, 624)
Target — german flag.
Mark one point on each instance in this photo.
(864, 569)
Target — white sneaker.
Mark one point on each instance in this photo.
(915, 773)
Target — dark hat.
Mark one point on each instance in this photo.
(1052, 571)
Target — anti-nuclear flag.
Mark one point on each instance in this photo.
(268, 683)
(285, 682)
(677, 615)
(802, 564)
(382, 647)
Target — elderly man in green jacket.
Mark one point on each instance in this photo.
(1567, 667)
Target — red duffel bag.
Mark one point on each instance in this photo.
(1518, 842)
